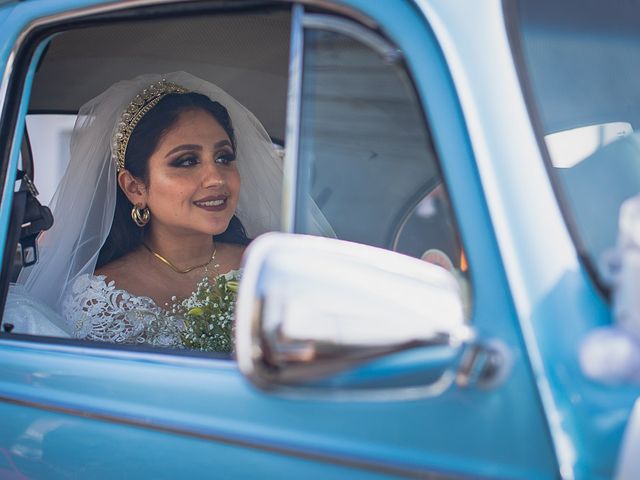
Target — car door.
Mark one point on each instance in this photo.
(372, 119)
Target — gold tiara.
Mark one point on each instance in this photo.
(138, 108)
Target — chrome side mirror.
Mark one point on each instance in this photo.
(317, 315)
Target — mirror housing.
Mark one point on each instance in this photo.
(318, 315)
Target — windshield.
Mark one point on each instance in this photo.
(582, 59)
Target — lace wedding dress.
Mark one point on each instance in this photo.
(95, 309)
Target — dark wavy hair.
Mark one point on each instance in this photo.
(124, 235)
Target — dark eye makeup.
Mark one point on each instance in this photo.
(190, 159)
(225, 158)
(187, 160)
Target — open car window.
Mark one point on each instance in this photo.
(244, 52)
(368, 172)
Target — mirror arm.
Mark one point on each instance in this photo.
(483, 365)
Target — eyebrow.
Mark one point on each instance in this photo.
(190, 146)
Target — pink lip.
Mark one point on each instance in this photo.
(212, 208)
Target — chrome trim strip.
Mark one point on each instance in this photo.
(340, 9)
(238, 441)
(353, 30)
(292, 130)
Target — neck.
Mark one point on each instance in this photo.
(184, 250)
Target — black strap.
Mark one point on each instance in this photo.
(26, 154)
(37, 218)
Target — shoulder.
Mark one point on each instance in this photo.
(124, 271)
(117, 267)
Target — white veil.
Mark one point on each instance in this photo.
(84, 203)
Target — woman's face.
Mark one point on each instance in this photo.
(193, 183)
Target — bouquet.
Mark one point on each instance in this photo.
(208, 314)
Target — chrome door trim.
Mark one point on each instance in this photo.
(340, 9)
(292, 130)
(354, 30)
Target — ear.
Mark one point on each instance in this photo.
(133, 188)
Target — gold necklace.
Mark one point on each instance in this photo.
(176, 269)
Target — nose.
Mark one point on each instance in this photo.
(212, 176)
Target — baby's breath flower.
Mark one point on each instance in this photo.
(208, 314)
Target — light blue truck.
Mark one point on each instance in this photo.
(470, 134)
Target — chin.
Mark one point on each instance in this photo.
(218, 229)
(210, 223)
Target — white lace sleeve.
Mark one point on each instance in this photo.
(97, 310)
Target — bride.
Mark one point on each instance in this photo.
(169, 178)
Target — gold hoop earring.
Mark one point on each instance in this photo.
(140, 216)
